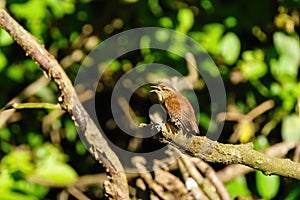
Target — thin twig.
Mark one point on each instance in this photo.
(205, 185)
(139, 162)
(210, 173)
(31, 89)
(31, 105)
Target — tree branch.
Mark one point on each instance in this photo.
(212, 151)
(117, 187)
(233, 171)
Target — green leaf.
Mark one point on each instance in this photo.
(287, 45)
(261, 143)
(31, 189)
(71, 132)
(254, 70)
(230, 47)
(51, 166)
(230, 22)
(61, 8)
(209, 38)
(34, 139)
(3, 61)
(18, 161)
(186, 20)
(267, 186)
(34, 12)
(253, 66)
(7, 194)
(166, 22)
(5, 133)
(33, 9)
(48, 150)
(80, 148)
(19, 189)
(5, 38)
(56, 172)
(155, 7)
(275, 88)
(291, 128)
(16, 73)
(115, 66)
(237, 187)
(285, 68)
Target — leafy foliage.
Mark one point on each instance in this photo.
(256, 47)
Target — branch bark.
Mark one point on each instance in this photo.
(212, 151)
(117, 188)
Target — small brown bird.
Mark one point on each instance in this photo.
(180, 111)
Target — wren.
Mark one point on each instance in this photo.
(180, 112)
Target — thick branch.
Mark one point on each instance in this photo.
(70, 102)
(212, 151)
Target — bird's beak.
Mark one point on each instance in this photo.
(155, 88)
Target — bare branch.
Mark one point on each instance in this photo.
(212, 151)
(70, 102)
(232, 171)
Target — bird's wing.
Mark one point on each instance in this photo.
(188, 116)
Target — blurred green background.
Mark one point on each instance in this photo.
(255, 45)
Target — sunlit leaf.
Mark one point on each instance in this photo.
(185, 19)
(253, 66)
(267, 186)
(287, 45)
(237, 187)
(51, 166)
(285, 68)
(254, 70)
(291, 128)
(31, 189)
(34, 12)
(230, 47)
(7, 194)
(210, 37)
(18, 161)
(261, 143)
(61, 8)
(115, 66)
(56, 172)
(5, 38)
(166, 22)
